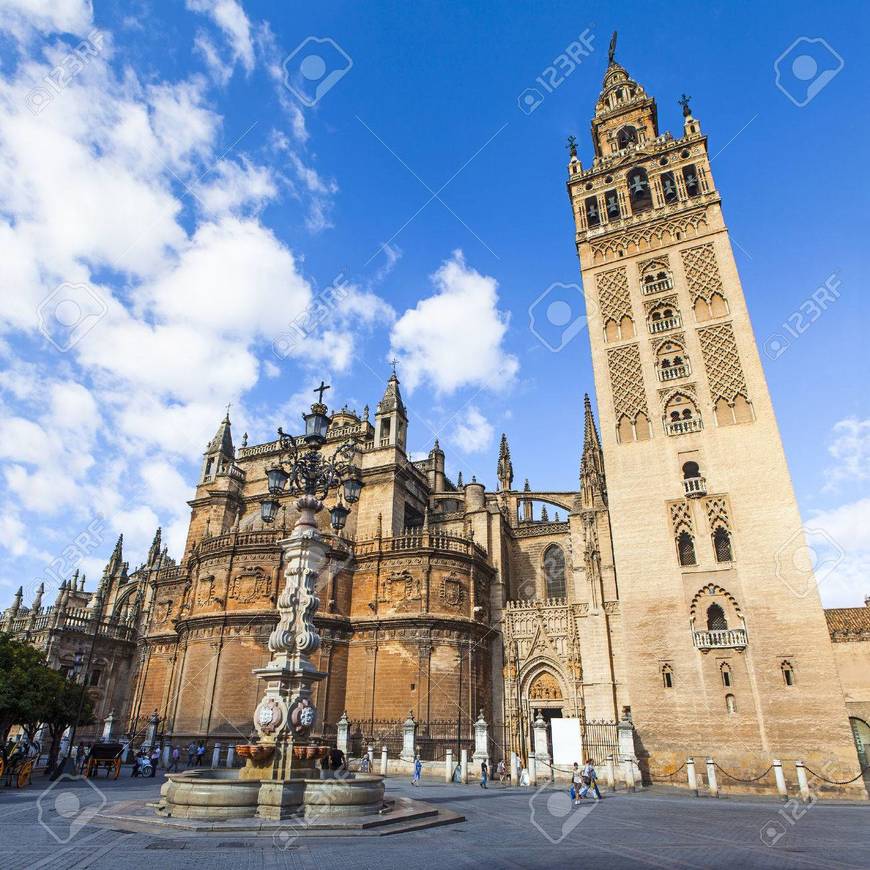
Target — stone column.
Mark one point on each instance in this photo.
(779, 776)
(712, 785)
(463, 766)
(611, 773)
(409, 739)
(342, 732)
(542, 756)
(151, 731)
(216, 755)
(108, 725)
(481, 741)
(803, 784)
(625, 741)
(383, 761)
(231, 756)
(448, 766)
(370, 751)
(693, 777)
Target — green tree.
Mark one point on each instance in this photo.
(23, 673)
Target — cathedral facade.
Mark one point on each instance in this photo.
(660, 590)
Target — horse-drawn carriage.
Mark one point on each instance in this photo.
(17, 768)
(107, 755)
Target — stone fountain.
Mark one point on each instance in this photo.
(281, 777)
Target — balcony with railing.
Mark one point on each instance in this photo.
(681, 427)
(664, 324)
(420, 539)
(657, 286)
(724, 638)
(672, 373)
(694, 487)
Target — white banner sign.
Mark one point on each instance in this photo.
(566, 742)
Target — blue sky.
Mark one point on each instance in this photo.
(169, 175)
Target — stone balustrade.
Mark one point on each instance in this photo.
(726, 638)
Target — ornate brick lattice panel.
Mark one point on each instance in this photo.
(702, 273)
(724, 372)
(716, 508)
(681, 518)
(613, 299)
(626, 381)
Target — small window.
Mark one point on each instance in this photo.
(716, 618)
(722, 545)
(554, 571)
(611, 200)
(690, 469)
(788, 673)
(669, 187)
(627, 135)
(593, 217)
(94, 679)
(726, 676)
(686, 549)
(730, 704)
(639, 191)
(690, 177)
(667, 677)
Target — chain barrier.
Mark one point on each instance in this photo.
(835, 781)
(673, 772)
(737, 778)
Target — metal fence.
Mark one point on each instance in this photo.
(433, 738)
(600, 738)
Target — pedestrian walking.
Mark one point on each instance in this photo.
(191, 753)
(365, 763)
(590, 779)
(176, 757)
(484, 773)
(418, 770)
(155, 760)
(501, 771)
(200, 753)
(576, 784)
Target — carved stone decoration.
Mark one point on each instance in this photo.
(721, 360)
(249, 585)
(702, 273)
(205, 590)
(545, 688)
(626, 381)
(452, 592)
(400, 586)
(269, 715)
(162, 611)
(613, 299)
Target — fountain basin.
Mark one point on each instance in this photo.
(220, 794)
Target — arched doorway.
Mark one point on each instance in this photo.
(861, 733)
(544, 693)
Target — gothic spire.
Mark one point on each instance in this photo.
(116, 559)
(392, 400)
(37, 599)
(223, 439)
(154, 550)
(505, 471)
(592, 483)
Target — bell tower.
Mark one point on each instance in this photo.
(716, 603)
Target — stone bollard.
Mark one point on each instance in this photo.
(231, 756)
(693, 777)
(611, 773)
(780, 779)
(481, 741)
(448, 766)
(383, 761)
(628, 773)
(515, 775)
(409, 739)
(216, 755)
(463, 766)
(803, 784)
(533, 770)
(370, 751)
(712, 785)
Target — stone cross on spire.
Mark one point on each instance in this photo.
(320, 391)
(611, 50)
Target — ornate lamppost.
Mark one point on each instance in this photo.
(286, 713)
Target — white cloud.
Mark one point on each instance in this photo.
(234, 186)
(850, 448)
(46, 16)
(842, 553)
(233, 22)
(472, 432)
(455, 338)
